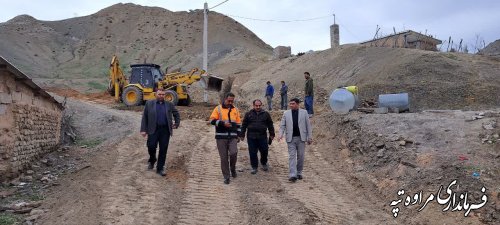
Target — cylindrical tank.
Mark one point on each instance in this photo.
(342, 101)
(400, 101)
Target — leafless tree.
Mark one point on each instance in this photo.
(478, 47)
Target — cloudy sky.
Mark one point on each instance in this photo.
(473, 21)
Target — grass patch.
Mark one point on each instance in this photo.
(6, 219)
(36, 197)
(90, 143)
(97, 85)
(451, 56)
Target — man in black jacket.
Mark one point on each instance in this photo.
(257, 122)
(157, 125)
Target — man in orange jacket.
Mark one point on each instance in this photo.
(227, 121)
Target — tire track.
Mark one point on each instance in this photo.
(324, 191)
(207, 200)
(134, 195)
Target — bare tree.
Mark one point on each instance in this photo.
(466, 49)
(478, 43)
(449, 41)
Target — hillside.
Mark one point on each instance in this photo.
(81, 48)
(434, 80)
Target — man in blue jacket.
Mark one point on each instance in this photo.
(269, 95)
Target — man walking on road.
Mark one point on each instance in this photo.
(284, 95)
(227, 121)
(309, 94)
(269, 95)
(157, 125)
(257, 122)
(296, 127)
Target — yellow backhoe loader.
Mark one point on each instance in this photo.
(145, 79)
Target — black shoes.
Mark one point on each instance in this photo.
(265, 167)
(299, 177)
(151, 166)
(254, 171)
(292, 179)
(234, 174)
(227, 181)
(161, 172)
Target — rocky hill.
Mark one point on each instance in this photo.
(80, 48)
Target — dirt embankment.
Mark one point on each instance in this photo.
(418, 152)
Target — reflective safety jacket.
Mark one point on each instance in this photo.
(226, 114)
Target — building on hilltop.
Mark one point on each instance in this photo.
(405, 39)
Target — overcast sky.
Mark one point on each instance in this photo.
(358, 19)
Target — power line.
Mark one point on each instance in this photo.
(348, 31)
(218, 4)
(280, 21)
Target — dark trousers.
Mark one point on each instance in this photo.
(258, 145)
(308, 104)
(228, 151)
(284, 102)
(160, 137)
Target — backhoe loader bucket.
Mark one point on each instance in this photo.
(214, 83)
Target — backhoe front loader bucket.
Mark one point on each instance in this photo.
(214, 83)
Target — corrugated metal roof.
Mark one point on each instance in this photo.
(20, 76)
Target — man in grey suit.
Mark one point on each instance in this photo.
(296, 126)
(157, 126)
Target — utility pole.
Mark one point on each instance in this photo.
(205, 43)
(205, 47)
(205, 37)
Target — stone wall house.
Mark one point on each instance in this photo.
(405, 39)
(30, 121)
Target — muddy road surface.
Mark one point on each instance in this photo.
(117, 188)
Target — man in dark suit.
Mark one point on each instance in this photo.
(157, 126)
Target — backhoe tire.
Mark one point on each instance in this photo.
(185, 102)
(132, 96)
(171, 96)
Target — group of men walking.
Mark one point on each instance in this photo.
(308, 94)
(160, 117)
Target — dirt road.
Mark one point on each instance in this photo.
(118, 189)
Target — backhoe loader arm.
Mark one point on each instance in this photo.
(116, 78)
(184, 78)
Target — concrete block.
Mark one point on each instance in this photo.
(381, 110)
